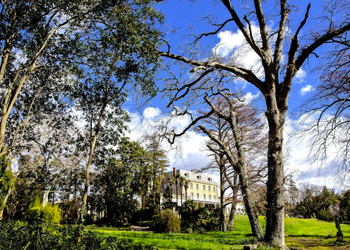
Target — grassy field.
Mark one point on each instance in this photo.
(300, 234)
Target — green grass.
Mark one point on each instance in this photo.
(301, 233)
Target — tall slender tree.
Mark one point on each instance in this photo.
(120, 55)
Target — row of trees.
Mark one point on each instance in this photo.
(132, 172)
(67, 68)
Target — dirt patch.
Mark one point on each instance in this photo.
(138, 228)
(316, 243)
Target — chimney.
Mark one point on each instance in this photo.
(174, 171)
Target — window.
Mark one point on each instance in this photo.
(210, 179)
(191, 196)
(204, 197)
(197, 186)
(214, 197)
(203, 187)
(191, 185)
(209, 188)
(214, 189)
(209, 197)
(199, 177)
(186, 174)
(197, 196)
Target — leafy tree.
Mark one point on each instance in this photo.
(158, 163)
(317, 204)
(119, 55)
(280, 55)
(345, 206)
(121, 180)
(36, 40)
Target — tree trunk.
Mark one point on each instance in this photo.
(243, 179)
(275, 183)
(45, 197)
(9, 191)
(3, 202)
(92, 149)
(231, 220)
(250, 206)
(143, 202)
(181, 194)
(222, 200)
(235, 188)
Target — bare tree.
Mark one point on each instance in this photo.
(219, 126)
(226, 113)
(330, 103)
(271, 45)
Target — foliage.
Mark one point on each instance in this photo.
(345, 206)
(38, 236)
(117, 183)
(199, 219)
(48, 214)
(317, 206)
(167, 222)
(158, 163)
(7, 179)
(5, 175)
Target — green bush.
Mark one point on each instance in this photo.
(48, 214)
(199, 218)
(167, 222)
(35, 236)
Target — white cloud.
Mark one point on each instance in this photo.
(306, 89)
(248, 97)
(151, 112)
(300, 75)
(228, 42)
(235, 46)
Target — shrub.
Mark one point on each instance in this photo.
(48, 214)
(35, 236)
(199, 218)
(167, 222)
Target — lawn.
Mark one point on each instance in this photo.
(300, 234)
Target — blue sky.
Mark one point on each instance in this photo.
(182, 15)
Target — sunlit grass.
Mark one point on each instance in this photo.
(302, 233)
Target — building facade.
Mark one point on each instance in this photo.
(189, 185)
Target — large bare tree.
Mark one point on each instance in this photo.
(281, 55)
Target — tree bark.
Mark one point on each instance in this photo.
(231, 220)
(223, 227)
(9, 191)
(3, 202)
(275, 183)
(45, 197)
(235, 188)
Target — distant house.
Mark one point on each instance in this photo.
(184, 185)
